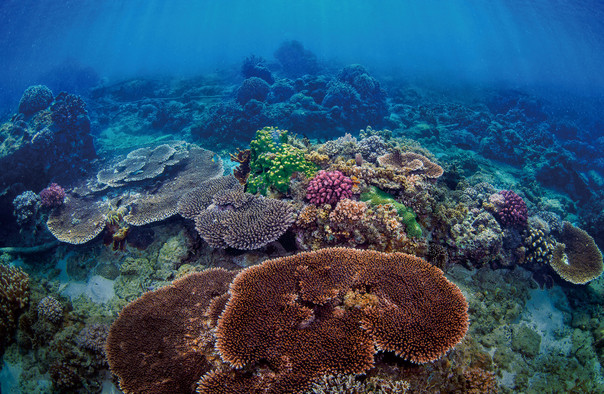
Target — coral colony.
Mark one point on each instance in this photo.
(318, 259)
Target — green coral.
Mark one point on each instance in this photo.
(376, 196)
(273, 162)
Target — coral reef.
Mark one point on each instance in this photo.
(25, 207)
(50, 309)
(577, 258)
(80, 219)
(197, 200)
(411, 163)
(329, 187)
(273, 162)
(253, 88)
(379, 197)
(510, 208)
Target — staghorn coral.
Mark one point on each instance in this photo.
(152, 346)
(577, 258)
(411, 163)
(34, 99)
(329, 187)
(14, 297)
(243, 221)
(197, 200)
(351, 384)
(50, 309)
(289, 312)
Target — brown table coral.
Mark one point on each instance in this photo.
(327, 311)
(152, 347)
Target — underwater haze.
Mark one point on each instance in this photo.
(557, 44)
(301, 197)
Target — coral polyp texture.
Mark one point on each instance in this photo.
(273, 162)
(290, 313)
(50, 309)
(151, 346)
(510, 208)
(329, 187)
(243, 221)
(53, 196)
(14, 297)
(577, 258)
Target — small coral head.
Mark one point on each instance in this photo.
(53, 196)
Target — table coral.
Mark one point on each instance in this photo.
(290, 310)
(577, 259)
(151, 346)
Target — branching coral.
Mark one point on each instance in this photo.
(273, 162)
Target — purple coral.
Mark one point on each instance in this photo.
(53, 196)
(513, 211)
(329, 187)
(93, 338)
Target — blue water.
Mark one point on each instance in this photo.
(503, 94)
(539, 43)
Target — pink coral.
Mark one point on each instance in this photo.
(329, 187)
(53, 196)
(513, 212)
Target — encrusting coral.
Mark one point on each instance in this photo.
(577, 258)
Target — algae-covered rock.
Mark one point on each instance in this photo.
(525, 340)
(171, 255)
